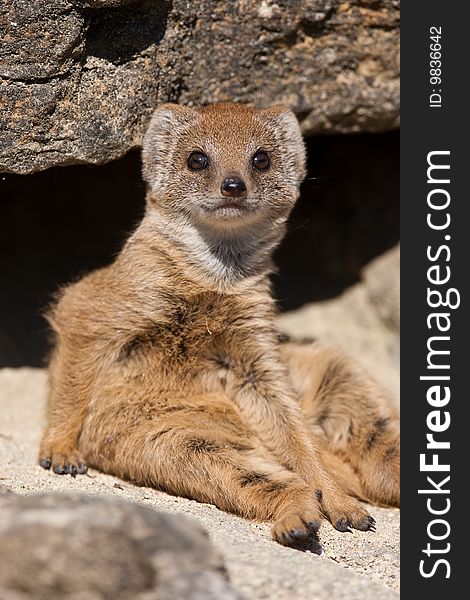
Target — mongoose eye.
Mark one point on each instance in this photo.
(198, 161)
(260, 161)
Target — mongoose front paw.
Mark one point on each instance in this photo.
(299, 531)
(63, 463)
(366, 523)
(348, 514)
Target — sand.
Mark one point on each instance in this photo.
(354, 566)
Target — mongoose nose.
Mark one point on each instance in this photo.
(233, 187)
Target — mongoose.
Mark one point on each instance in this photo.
(168, 369)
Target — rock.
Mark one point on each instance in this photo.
(382, 281)
(75, 546)
(80, 78)
(364, 321)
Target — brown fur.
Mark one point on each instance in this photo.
(168, 369)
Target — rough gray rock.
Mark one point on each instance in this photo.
(55, 545)
(382, 280)
(80, 78)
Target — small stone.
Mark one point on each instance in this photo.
(56, 545)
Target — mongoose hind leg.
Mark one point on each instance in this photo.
(353, 421)
(201, 449)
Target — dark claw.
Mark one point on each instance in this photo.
(82, 468)
(343, 525)
(367, 525)
(71, 469)
(292, 536)
(59, 469)
(313, 526)
(301, 540)
(45, 463)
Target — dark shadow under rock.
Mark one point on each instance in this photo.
(60, 224)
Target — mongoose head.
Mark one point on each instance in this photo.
(224, 168)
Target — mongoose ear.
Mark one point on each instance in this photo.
(288, 127)
(157, 147)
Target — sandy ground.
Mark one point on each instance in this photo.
(354, 566)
